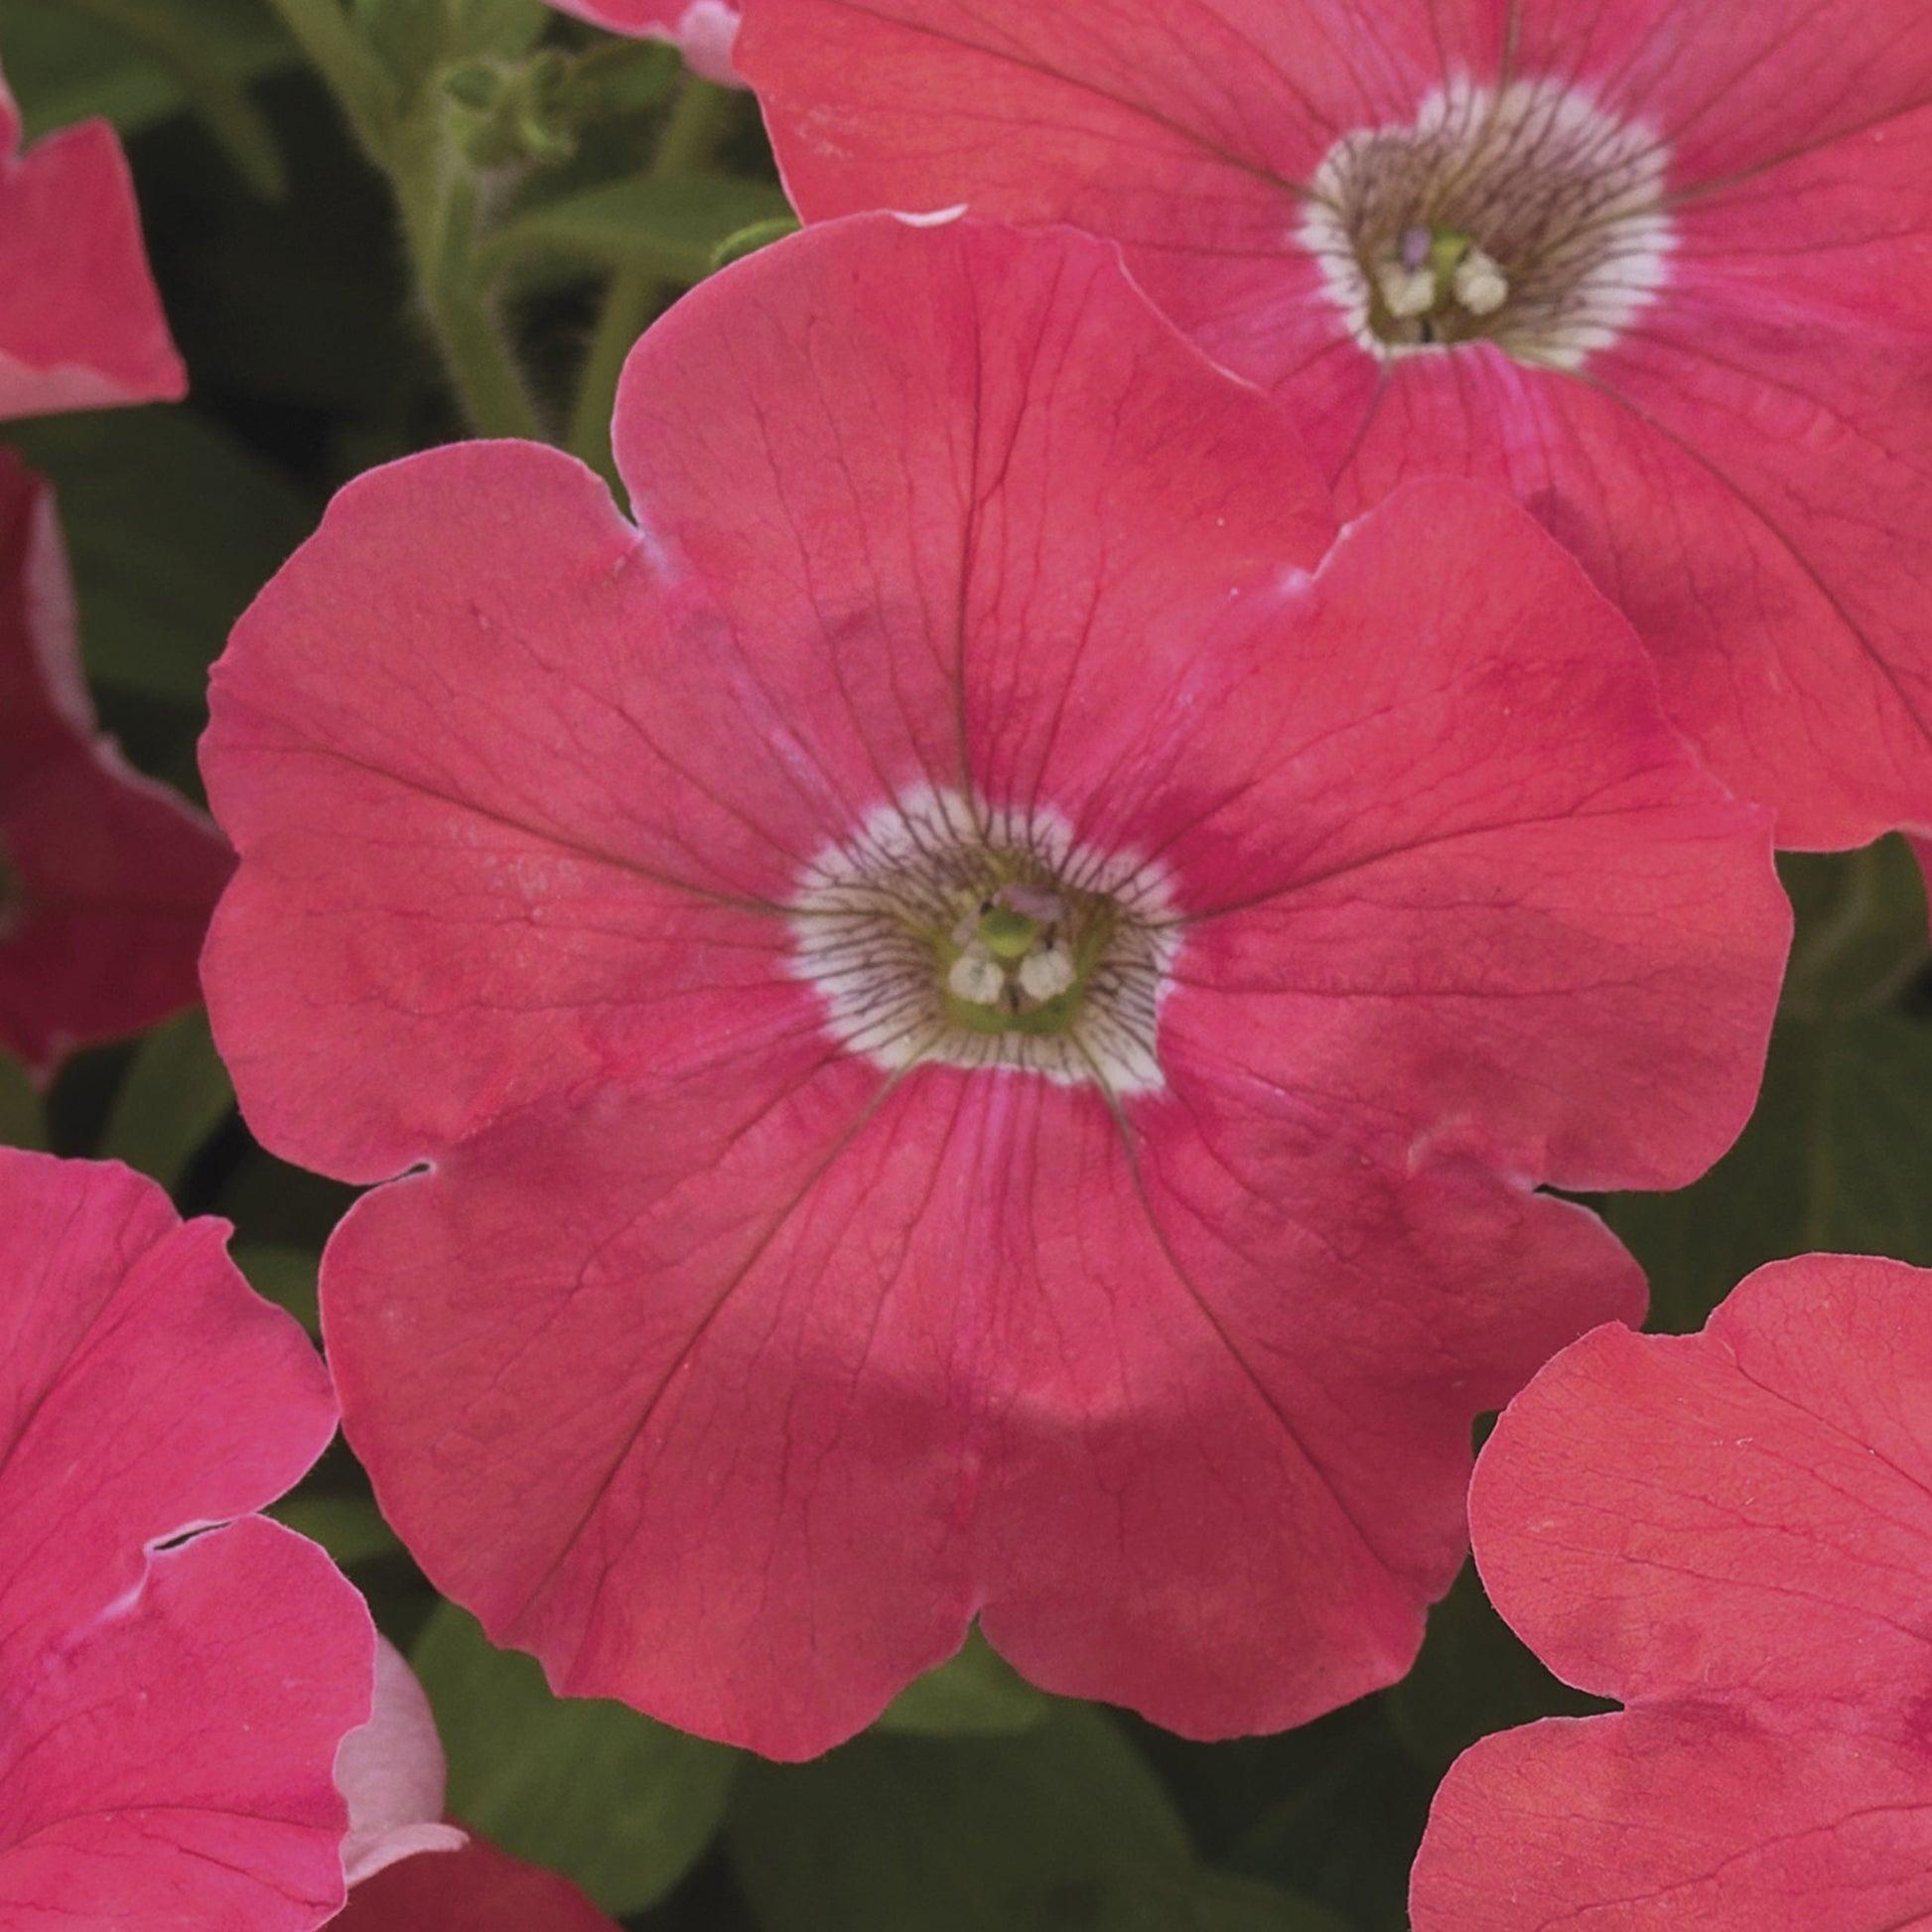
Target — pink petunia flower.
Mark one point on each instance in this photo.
(1662, 271)
(476, 1889)
(702, 31)
(81, 324)
(173, 1702)
(979, 1010)
(1732, 1532)
(106, 878)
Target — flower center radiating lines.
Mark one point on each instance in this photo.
(987, 938)
(1527, 218)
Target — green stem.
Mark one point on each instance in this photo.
(437, 189)
(436, 193)
(355, 76)
(695, 125)
(222, 101)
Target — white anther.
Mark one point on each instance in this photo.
(976, 978)
(1407, 292)
(1480, 283)
(1046, 974)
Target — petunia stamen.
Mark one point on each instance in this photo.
(1480, 283)
(1528, 218)
(948, 933)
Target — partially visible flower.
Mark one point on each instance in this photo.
(702, 31)
(81, 324)
(977, 1012)
(1731, 1534)
(476, 1889)
(1661, 271)
(392, 1774)
(106, 878)
(407, 1871)
(175, 1691)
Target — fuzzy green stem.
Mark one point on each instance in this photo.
(437, 189)
(697, 124)
(435, 186)
(353, 74)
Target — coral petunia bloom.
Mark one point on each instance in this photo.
(982, 1017)
(1730, 1533)
(106, 878)
(81, 324)
(476, 1889)
(1661, 270)
(173, 1706)
(702, 31)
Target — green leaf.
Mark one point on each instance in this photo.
(172, 526)
(1332, 1811)
(349, 1528)
(748, 241)
(408, 36)
(1836, 1156)
(176, 40)
(1063, 1827)
(284, 1276)
(176, 1094)
(1474, 1676)
(506, 29)
(64, 65)
(591, 1788)
(670, 224)
(976, 1694)
(1225, 1903)
(1861, 926)
(23, 1120)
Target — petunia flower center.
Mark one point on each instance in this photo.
(946, 932)
(1527, 218)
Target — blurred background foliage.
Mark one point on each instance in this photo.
(292, 277)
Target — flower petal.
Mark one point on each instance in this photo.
(584, 804)
(1209, 1504)
(702, 31)
(106, 878)
(681, 1351)
(1683, 1816)
(1509, 929)
(1741, 471)
(919, 496)
(476, 1889)
(1190, 119)
(1732, 1532)
(109, 1294)
(82, 327)
(170, 1763)
(861, 1337)
(392, 1774)
(1771, 1469)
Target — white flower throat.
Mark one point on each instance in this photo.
(949, 932)
(1527, 218)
